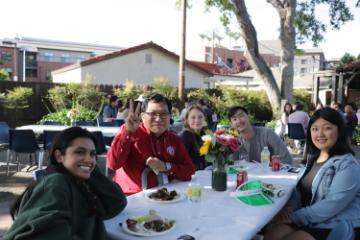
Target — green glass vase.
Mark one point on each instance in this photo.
(219, 176)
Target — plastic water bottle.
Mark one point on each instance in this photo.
(265, 159)
(194, 190)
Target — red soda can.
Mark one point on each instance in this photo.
(241, 177)
(275, 163)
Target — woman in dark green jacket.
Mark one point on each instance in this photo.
(72, 199)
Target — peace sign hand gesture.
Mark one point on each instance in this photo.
(132, 121)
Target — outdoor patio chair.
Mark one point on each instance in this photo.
(258, 124)
(296, 132)
(101, 148)
(52, 123)
(144, 178)
(99, 120)
(118, 122)
(48, 138)
(4, 135)
(85, 123)
(21, 142)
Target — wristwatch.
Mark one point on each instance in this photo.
(167, 166)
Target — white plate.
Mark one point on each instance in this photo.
(178, 198)
(145, 233)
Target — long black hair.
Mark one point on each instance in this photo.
(61, 142)
(341, 146)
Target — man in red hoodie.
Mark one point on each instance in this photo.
(150, 143)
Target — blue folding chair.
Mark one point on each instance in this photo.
(4, 135)
(100, 147)
(85, 123)
(21, 142)
(144, 178)
(48, 138)
(118, 122)
(48, 122)
(296, 132)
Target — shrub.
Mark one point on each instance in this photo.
(74, 94)
(4, 75)
(163, 86)
(304, 97)
(61, 116)
(130, 91)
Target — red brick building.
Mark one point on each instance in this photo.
(32, 60)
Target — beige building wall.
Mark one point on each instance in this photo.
(73, 76)
(140, 67)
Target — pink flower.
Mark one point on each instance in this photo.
(220, 132)
(224, 140)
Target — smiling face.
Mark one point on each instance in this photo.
(324, 134)
(195, 120)
(156, 117)
(79, 158)
(240, 121)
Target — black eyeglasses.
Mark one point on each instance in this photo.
(163, 115)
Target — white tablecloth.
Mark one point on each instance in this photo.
(38, 129)
(218, 215)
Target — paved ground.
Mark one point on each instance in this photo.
(13, 185)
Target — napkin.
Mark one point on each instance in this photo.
(251, 194)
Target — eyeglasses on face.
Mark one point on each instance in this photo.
(162, 115)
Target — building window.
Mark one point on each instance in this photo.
(48, 57)
(31, 73)
(303, 61)
(229, 62)
(148, 58)
(303, 70)
(65, 58)
(6, 57)
(48, 76)
(80, 58)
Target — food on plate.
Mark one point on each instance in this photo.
(152, 222)
(163, 194)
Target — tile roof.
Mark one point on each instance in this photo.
(198, 65)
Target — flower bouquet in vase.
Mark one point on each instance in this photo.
(217, 148)
(73, 114)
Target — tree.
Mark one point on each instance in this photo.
(295, 25)
(4, 75)
(17, 99)
(347, 58)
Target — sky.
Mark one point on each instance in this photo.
(127, 23)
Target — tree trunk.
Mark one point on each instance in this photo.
(287, 11)
(253, 56)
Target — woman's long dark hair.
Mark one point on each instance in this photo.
(61, 142)
(291, 109)
(341, 146)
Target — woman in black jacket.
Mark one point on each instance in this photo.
(194, 124)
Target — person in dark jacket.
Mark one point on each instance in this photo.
(194, 123)
(73, 197)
